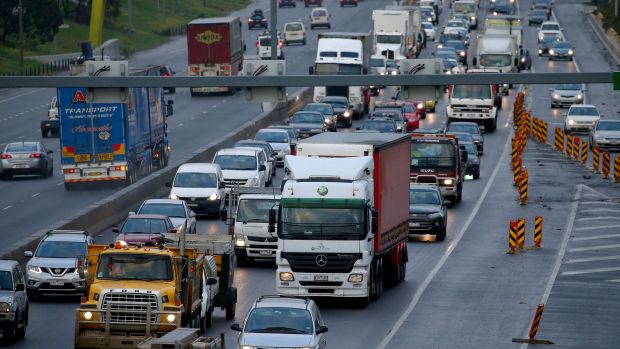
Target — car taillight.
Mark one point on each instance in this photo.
(35, 155)
(281, 43)
(293, 150)
(165, 74)
(119, 168)
(5, 156)
(69, 171)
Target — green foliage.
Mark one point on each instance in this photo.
(41, 19)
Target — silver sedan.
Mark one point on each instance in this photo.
(25, 158)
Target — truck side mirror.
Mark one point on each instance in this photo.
(235, 327)
(375, 220)
(211, 281)
(474, 61)
(80, 264)
(272, 220)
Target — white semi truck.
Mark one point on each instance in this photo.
(394, 37)
(342, 222)
(342, 54)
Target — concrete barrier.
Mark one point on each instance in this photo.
(111, 210)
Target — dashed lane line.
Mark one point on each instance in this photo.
(590, 271)
(35, 195)
(592, 259)
(612, 226)
(6, 208)
(586, 219)
(594, 248)
(597, 210)
(608, 236)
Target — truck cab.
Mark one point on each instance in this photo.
(52, 124)
(475, 103)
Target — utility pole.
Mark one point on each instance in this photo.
(21, 37)
(272, 27)
(177, 6)
(129, 16)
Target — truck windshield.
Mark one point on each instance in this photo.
(495, 60)
(338, 69)
(236, 162)
(432, 155)
(388, 39)
(134, 267)
(471, 91)
(460, 7)
(255, 210)
(322, 221)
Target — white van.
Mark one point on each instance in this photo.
(294, 32)
(263, 46)
(319, 17)
(201, 186)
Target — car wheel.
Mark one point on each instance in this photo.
(21, 332)
(441, 236)
(477, 174)
(50, 173)
(9, 331)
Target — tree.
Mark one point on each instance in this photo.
(41, 21)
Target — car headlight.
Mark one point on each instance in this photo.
(551, 52)
(570, 52)
(87, 315)
(447, 181)
(556, 96)
(213, 197)
(448, 72)
(356, 277)
(539, 50)
(472, 18)
(287, 276)
(523, 60)
(328, 121)
(420, 106)
(382, 73)
(170, 318)
(571, 122)
(434, 215)
(34, 269)
(5, 307)
(440, 46)
(173, 196)
(579, 96)
(599, 137)
(394, 72)
(346, 114)
(462, 53)
(253, 181)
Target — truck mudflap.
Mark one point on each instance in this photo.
(102, 332)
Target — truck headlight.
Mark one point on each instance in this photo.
(5, 307)
(174, 196)
(87, 315)
(570, 52)
(170, 318)
(34, 269)
(462, 53)
(523, 60)
(571, 122)
(287, 276)
(213, 197)
(472, 18)
(239, 241)
(447, 181)
(356, 278)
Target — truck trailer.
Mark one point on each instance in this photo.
(214, 48)
(112, 135)
(342, 222)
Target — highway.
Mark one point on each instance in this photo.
(465, 292)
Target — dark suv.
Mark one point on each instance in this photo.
(257, 20)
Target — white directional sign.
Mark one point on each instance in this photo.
(258, 67)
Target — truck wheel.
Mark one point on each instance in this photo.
(44, 133)
(377, 282)
(459, 195)
(231, 308)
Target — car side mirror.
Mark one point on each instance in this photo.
(211, 281)
(50, 152)
(28, 254)
(235, 327)
(321, 329)
(20, 287)
(115, 230)
(272, 220)
(221, 185)
(168, 184)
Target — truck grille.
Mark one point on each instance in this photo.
(470, 108)
(261, 239)
(129, 308)
(235, 182)
(307, 262)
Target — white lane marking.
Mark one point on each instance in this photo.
(598, 202)
(608, 236)
(35, 195)
(193, 118)
(597, 218)
(204, 111)
(592, 259)
(180, 125)
(590, 271)
(61, 183)
(594, 248)
(596, 210)
(615, 280)
(6, 208)
(597, 192)
(19, 95)
(598, 227)
(420, 290)
(565, 237)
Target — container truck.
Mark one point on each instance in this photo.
(342, 221)
(214, 48)
(138, 292)
(498, 51)
(469, 8)
(112, 135)
(394, 36)
(416, 25)
(477, 103)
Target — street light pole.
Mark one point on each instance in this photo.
(272, 27)
(21, 37)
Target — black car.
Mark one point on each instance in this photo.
(308, 123)
(427, 211)
(257, 20)
(472, 166)
(394, 114)
(536, 17)
(287, 3)
(342, 109)
(471, 128)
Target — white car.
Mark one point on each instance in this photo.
(581, 117)
(549, 27)
(279, 140)
(429, 29)
(263, 156)
(566, 95)
(277, 321)
(241, 167)
(201, 186)
(294, 32)
(178, 211)
(606, 134)
(319, 17)
(456, 25)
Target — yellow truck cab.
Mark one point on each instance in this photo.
(140, 292)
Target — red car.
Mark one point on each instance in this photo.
(421, 108)
(412, 115)
(348, 2)
(313, 2)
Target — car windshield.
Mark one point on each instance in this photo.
(391, 63)
(395, 115)
(451, 36)
(377, 125)
(144, 226)
(455, 127)
(293, 27)
(319, 13)
(272, 137)
(427, 25)
(255, 210)
(538, 13)
(550, 37)
(561, 44)
(134, 267)
(388, 39)
(590, 111)
(450, 63)
(408, 108)
(323, 109)
(464, 7)
(471, 91)
(568, 87)
(279, 320)
(377, 62)
(550, 27)
(455, 24)
(307, 118)
(336, 103)
(21, 147)
(6, 280)
(236, 162)
(195, 180)
(61, 249)
(459, 45)
(257, 17)
(265, 146)
(608, 126)
(462, 137)
(423, 197)
(170, 210)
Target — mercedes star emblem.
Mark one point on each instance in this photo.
(321, 260)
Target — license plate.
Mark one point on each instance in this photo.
(48, 125)
(81, 157)
(94, 174)
(414, 224)
(20, 166)
(57, 283)
(105, 157)
(320, 278)
(266, 253)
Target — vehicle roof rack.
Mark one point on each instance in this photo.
(67, 231)
(275, 296)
